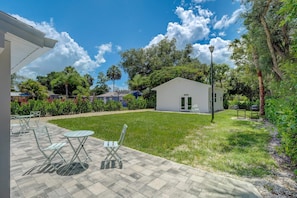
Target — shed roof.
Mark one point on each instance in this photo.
(180, 79)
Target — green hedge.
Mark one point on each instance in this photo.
(64, 107)
(135, 103)
(282, 112)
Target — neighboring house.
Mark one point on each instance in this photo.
(180, 94)
(19, 97)
(115, 96)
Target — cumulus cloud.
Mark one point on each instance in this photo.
(193, 27)
(199, 1)
(225, 21)
(221, 53)
(67, 52)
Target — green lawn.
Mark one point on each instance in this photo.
(234, 146)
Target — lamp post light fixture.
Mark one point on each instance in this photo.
(211, 49)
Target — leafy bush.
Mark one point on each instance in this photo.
(241, 101)
(112, 105)
(283, 114)
(24, 109)
(83, 105)
(69, 107)
(138, 103)
(39, 105)
(98, 105)
(52, 109)
(14, 108)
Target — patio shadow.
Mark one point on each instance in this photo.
(74, 169)
(110, 164)
(45, 169)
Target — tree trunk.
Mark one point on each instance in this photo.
(260, 82)
(269, 42)
(66, 90)
(261, 92)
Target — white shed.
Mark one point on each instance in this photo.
(180, 94)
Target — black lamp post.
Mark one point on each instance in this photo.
(211, 49)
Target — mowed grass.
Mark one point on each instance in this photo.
(234, 146)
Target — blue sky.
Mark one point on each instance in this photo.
(92, 33)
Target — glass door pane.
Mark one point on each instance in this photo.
(182, 103)
(189, 103)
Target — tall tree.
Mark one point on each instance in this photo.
(138, 82)
(34, 88)
(145, 61)
(220, 71)
(101, 86)
(68, 77)
(89, 79)
(264, 13)
(46, 80)
(114, 73)
(251, 54)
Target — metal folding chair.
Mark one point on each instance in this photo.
(36, 117)
(47, 147)
(113, 146)
(14, 125)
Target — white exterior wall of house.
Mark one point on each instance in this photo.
(218, 103)
(170, 93)
(20, 44)
(218, 99)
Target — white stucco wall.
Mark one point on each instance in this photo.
(5, 58)
(170, 93)
(218, 103)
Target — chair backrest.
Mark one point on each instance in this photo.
(42, 137)
(123, 133)
(36, 115)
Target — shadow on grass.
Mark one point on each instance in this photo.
(248, 144)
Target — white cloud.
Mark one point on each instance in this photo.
(221, 53)
(194, 28)
(67, 52)
(199, 1)
(204, 12)
(222, 34)
(225, 21)
(191, 29)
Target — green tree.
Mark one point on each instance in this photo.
(144, 61)
(34, 88)
(69, 78)
(246, 54)
(220, 72)
(89, 79)
(101, 86)
(264, 14)
(163, 75)
(46, 80)
(114, 73)
(138, 82)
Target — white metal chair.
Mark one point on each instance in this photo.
(36, 116)
(24, 124)
(113, 146)
(47, 147)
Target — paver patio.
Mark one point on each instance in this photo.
(142, 175)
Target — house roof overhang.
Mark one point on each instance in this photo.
(27, 43)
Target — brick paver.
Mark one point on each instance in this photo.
(142, 175)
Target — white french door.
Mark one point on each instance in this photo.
(186, 103)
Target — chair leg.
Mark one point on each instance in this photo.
(112, 154)
(50, 158)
